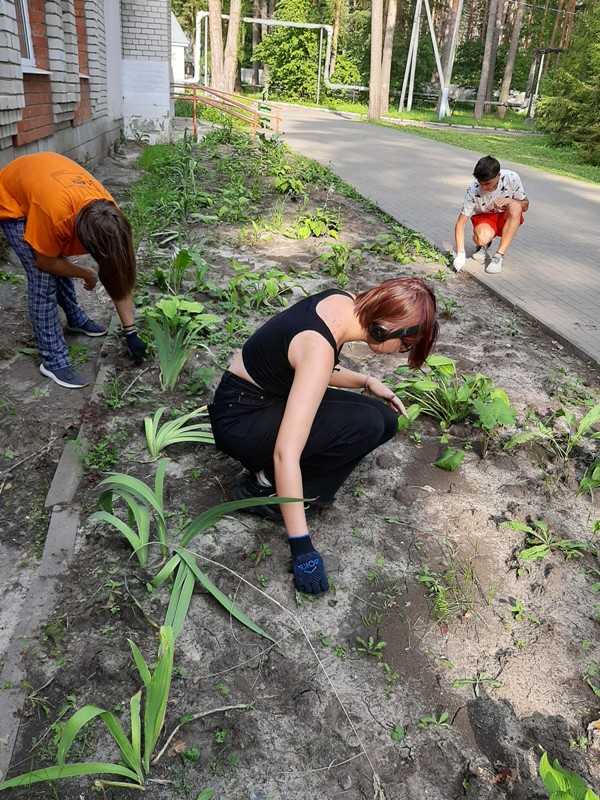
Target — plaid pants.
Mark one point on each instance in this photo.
(45, 292)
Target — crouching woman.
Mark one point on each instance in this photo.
(280, 409)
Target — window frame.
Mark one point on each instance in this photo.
(23, 5)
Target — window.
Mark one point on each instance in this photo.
(27, 54)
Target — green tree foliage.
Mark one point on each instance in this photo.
(292, 53)
(570, 108)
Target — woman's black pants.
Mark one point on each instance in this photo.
(245, 422)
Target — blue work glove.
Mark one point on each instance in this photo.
(135, 346)
(309, 573)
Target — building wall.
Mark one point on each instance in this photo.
(61, 103)
(146, 43)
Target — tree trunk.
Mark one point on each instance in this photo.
(216, 44)
(337, 21)
(386, 61)
(376, 53)
(230, 62)
(256, 29)
(450, 42)
(489, 90)
(487, 52)
(510, 60)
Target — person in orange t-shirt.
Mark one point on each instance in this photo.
(52, 208)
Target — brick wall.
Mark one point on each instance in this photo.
(82, 47)
(38, 119)
(64, 59)
(12, 98)
(83, 111)
(39, 34)
(146, 26)
(96, 56)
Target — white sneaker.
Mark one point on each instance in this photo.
(495, 265)
(480, 255)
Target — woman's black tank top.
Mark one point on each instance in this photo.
(265, 353)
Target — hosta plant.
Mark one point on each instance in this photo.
(177, 327)
(176, 431)
(136, 748)
(439, 391)
(562, 784)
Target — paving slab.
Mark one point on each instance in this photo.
(552, 272)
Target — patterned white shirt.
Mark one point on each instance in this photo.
(479, 202)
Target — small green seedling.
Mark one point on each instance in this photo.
(221, 736)
(520, 613)
(192, 754)
(370, 647)
(540, 543)
(481, 679)
(434, 721)
(398, 733)
(263, 552)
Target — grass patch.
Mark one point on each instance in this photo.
(533, 151)
(461, 115)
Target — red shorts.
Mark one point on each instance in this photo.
(495, 220)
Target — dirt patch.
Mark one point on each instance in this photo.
(451, 705)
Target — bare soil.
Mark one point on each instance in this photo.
(323, 714)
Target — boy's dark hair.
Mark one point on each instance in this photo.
(106, 235)
(486, 169)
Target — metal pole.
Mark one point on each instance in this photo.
(319, 68)
(408, 61)
(206, 51)
(537, 86)
(413, 68)
(436, 52)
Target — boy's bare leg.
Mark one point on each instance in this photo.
(511, 225)
(483, 234)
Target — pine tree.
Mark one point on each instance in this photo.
(570, 107)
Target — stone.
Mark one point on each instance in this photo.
(345, 782)
(387, 460)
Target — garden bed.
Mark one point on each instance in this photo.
(441, 663)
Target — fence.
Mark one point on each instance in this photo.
(257, 114)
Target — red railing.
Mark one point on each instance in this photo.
(258, 115)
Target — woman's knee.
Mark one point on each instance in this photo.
(377, 425)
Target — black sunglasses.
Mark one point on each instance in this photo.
(401, 333)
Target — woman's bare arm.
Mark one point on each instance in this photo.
(312, 359)
(63, 268)
(344, 378)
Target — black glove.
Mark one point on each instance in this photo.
(309, 573)
(135, 346)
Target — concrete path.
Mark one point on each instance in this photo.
(552, 271)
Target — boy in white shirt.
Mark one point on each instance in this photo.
(495, 202)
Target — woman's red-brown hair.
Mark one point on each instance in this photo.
(392, 303)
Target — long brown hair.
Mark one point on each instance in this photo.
(392, 302)
(104, 231)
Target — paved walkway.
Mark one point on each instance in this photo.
(552, 271)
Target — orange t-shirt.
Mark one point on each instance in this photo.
(49, 190)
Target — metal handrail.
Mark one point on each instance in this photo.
(260, 116)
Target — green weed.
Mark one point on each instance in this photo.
(321, 222)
